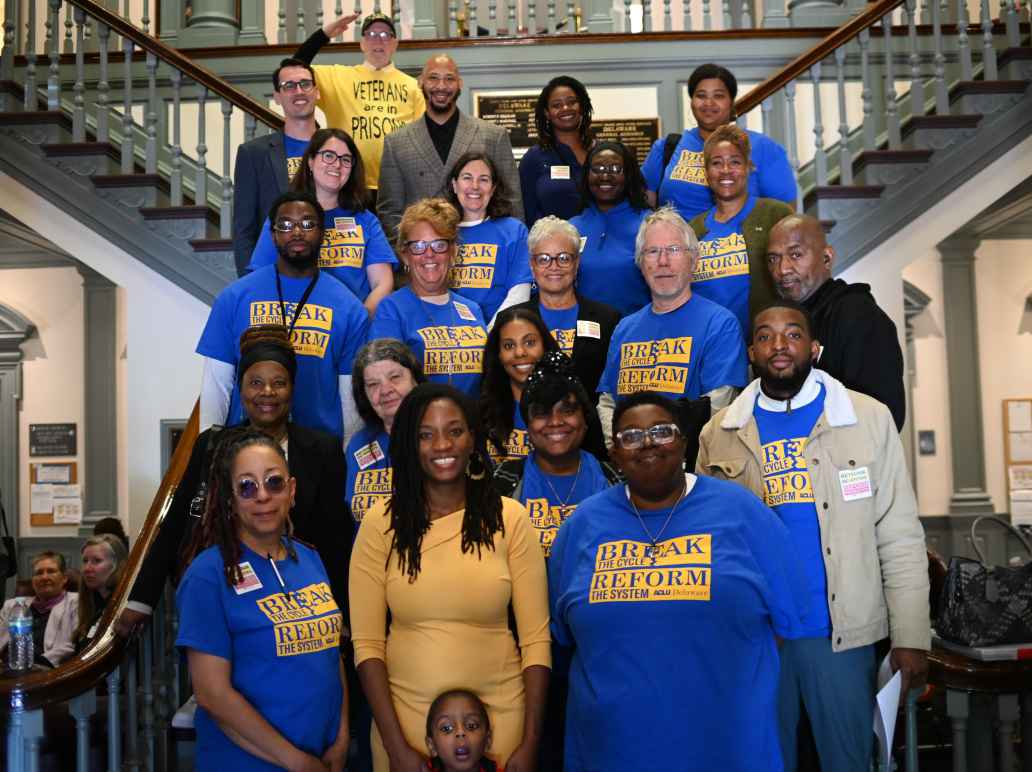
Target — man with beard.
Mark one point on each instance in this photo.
(326, 322)
(829, 462)
(417, 158)
(265, 165)
(858, 341)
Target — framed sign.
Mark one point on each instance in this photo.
(53, 439)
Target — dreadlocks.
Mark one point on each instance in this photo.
(409, 508)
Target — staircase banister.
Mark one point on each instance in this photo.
(839, 37)
(35, 689)
(187, 66)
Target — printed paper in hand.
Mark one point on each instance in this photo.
(886, 704)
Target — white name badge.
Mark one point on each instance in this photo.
(344, 223)
(249, 581)
(560, 172)
(464, 312)
(855, 484)
(586, 329)
(583, 243)
(369, 454)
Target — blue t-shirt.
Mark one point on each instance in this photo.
(685, 353)
(369, 470)
(448, 339)
(283, 642)
(550, 183)
(492, 259)
(294, 149)
(683, 181)
(330, 329)
(607, 271)
(550, 499)
(722, 273)
(351, 241)
(517, 445)
(788, 491)
(674, 663)
(563, 326)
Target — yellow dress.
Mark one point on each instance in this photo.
(449, 628)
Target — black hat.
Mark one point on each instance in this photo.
(372, 18)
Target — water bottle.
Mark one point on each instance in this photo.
(19, 650)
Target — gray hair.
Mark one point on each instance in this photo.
(666, 215)
(552, 226)
(380, 350)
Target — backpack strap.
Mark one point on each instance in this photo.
(669, 146)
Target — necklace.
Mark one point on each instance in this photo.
(652, 551)
(560, 499)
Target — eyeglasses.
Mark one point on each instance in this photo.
(330, 158)
(606, 168)
(287, 226)
(248, 489)
(382, 35)
(543, 259)
(660, 434)
(304, 86)
(440, 246)
(674, 251)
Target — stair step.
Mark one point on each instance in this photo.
(887, 167)
(132, 190)
(86, 159)
(985, 97)
(190, 223)
(936, 132)
(212, 245)
(37, 127)
(1015, 63)
(840, 202)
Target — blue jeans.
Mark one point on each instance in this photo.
(837, 692)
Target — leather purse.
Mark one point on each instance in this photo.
(984, 605)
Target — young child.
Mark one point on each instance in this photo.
(458, 733)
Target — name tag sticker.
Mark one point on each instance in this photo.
(369, 454)
(560, 172)
(249, 581)
(587, 329)
(583, 243)
(464, 312)
(344, 223)
(855, 484)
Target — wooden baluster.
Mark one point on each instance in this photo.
(79, 113)
(127, 108)
(54, 78)
(707, 18)
(746, 15)
(376, 7)
(281, 22)
(132, 728)
(201, 183)
(81, 708)
(512, 23)
(891, 108)
(492, 17)
(471, 14)
(792, 146)
(532, 28)
(164, 707)
(356, 29)
(551, 18)
(103, 87)
(1013, 23)
(917, 99)
(151, 115)
(320, 16)
(845, 155)
(963, 44)
(988, 52)
(571, 16)
(686, 13)
(942, 100)
(31, 99)
(125, 11)
(69, 27)
(728, 21)
(668, 21)
(226, 211)
(250, 124)
(10, 36)
(766, 108)
(864, 39)
(176, 176)
(646, 16)
(299, 30)
(627, 15)
(114, 738)
(396, 16)
(145, 18)
(146, 649)
(820, 157)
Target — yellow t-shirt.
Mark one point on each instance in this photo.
(368, 104)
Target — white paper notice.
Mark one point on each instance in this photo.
(1019, 416)
(1021, 446)
(68, 510)
(885, 708)
(1020, 478)
(67, 491)
(54, 473)
(41, 499)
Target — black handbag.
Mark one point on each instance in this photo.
(984, 605)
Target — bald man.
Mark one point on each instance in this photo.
(418, 157)
(858, 341)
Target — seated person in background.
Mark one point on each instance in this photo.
(385, 371)
(113, 526)
(258, 623)
(55, 612)
(491, 268)
(858, 341)
(458, 733)
(354, 248)
(268, 367)
(326, 323)
(680, 345)
(675, 173)
(550, 171)
(445, 331)
(613, 192)
(581, 326)
(103, 563)
(733, 234)
(514, 346)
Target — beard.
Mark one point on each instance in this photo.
(785, 382)
(431, 107)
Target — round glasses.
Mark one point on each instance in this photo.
(440, 246)
(543, 259)
(330, 158)
(248, 489)
(660, 434)
(290, 86)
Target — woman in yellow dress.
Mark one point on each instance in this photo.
(443, 560)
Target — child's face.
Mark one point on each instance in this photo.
(460, 734)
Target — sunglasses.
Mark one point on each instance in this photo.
(287, 226)
(248, 489)
(660, 434)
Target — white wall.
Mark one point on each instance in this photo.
(160, 330)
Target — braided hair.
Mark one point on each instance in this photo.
(220, 523)
(409, 508)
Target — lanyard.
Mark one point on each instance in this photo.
(300, 304)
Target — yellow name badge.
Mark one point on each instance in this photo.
(560, 172)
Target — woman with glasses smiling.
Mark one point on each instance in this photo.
(354, 248)
(446, 332)
(669, 591)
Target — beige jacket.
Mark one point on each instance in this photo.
(873, 547)
(59, 632)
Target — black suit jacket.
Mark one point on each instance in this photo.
(259, 177)
(320, 514)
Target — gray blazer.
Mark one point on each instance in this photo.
(411, 169)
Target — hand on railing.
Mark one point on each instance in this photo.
(131, 622)
(339, 26)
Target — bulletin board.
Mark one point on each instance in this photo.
(60, 474)
(1017, 455)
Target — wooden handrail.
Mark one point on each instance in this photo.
(104, 654)
(184, 64)
(839, 37)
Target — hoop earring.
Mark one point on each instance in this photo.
(480, 473)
